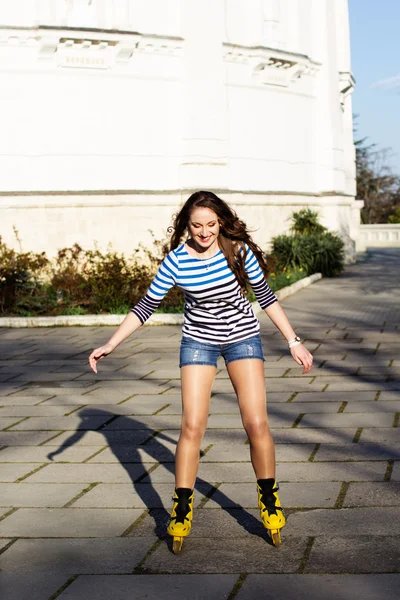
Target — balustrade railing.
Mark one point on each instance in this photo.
(375, 236)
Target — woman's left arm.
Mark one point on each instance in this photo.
(299, 352)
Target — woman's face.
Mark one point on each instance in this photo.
(203, 226)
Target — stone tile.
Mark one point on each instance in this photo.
(246, 555)
(29, 585)
(45, 391)
(73, 400)
(387, 395)
(304, 407)
(45, 377)
(8, 421)
(126, 388)
(330, 396)
(331, 471)
(38, 494)
(161, 373)
(11, 472)
(86, 473)
(308, 587)
(396, 472)
(137, 587)
(142, 495)
(389, 406)
(360, 451)
(3, 544)
(101, 438)
(381, 435)
(4, 511)
(235, 422)
(296, 384)
(325, 371)
(153, 400)
(271, 397)
(123, 377)
(241, 452)
(129, 408)
(380, 521)
(155, 451)
(351, 385)
(39, 454)
(153, 422)
(73, 556)
(350, 420)
(383, 493)
(73, 422)
(16, 401)
(24, 438)
(323, 435)
(210, 472)
(350, 554)
(292, 495)
(35, 411)
(68, 522)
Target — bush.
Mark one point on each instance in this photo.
(20, 276)
(395, 217)
(79, 281)
(311, 247)
(305, 222)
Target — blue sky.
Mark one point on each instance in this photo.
(375, 59)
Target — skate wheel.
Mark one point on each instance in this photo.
(177, 544)
(276, 537)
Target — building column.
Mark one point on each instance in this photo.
(205, 135)
(328, 125)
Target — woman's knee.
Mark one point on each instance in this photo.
(193, 430)
(257, 429)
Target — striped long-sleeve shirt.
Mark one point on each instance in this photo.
(216, 312)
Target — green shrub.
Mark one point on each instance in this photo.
(395, 217)
(311, 247)
(305, 222)
(80, 281)
(21, 276)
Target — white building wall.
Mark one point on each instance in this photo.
(112, 111)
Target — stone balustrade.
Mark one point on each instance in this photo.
(380, 235)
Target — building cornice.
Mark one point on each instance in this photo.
(87, 48)
(271, 66)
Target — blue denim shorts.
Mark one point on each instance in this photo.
(201, 353)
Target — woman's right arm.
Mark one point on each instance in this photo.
(163, 281)
(130, 324)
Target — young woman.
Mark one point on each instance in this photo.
(213, 267)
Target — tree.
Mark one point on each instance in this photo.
(377, 186)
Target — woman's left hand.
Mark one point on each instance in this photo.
(302, 356)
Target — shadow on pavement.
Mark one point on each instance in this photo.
(148, 494)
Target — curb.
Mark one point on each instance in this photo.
(156, 319)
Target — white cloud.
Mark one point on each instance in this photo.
(389, 83)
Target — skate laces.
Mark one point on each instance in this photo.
(182, 509)
(268, 499)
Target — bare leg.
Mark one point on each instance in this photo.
(247, 378)
(197, 382)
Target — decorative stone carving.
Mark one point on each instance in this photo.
(270, 66)
(89, 49)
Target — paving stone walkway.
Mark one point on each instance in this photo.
(86, 462)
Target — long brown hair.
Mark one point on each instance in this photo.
(233, 233)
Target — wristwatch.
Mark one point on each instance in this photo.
(296, 340)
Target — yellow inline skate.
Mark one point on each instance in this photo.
(272, 514)
(180, 522)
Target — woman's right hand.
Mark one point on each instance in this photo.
(98, 354)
